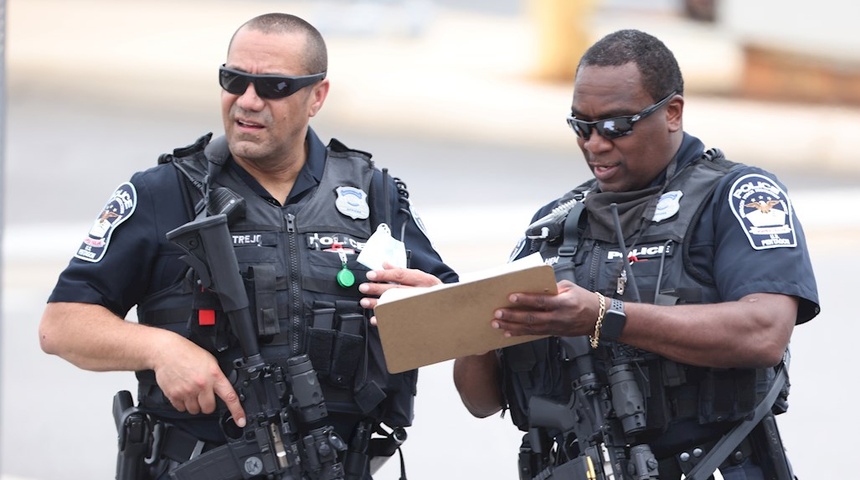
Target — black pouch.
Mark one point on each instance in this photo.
(321, 337)
(348, 349)
(726, 394)
(265, 299)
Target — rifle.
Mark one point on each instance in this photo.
(596, 423)
(284, 437)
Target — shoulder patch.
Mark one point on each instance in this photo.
(521, 244)
(764, 212)
(118, 209)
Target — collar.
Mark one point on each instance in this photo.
(691, 148)
(308, 178)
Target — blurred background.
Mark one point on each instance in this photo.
(465, 101)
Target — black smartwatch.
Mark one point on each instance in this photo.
(613, 321)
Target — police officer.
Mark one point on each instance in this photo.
(299, 214)
(681, 276)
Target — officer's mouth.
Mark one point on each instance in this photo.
(250, 126)
(603, 172)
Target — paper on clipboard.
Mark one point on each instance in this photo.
(423, 326)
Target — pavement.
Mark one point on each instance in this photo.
(410, 67)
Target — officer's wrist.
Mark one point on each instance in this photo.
(614, 320)
(601, 312)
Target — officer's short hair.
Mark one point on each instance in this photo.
(316, 54)
(657, 64)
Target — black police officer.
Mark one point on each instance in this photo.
(681, 276)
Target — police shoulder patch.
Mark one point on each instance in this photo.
(118, 209)
(764, 212)
(521, 244)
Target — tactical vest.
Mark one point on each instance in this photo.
(289, 258)
(672, 391)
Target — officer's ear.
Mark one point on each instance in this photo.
(675, 113)
(318, 96)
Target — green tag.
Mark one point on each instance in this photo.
(345, 278)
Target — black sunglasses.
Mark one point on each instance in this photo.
(266, 86)
(615, 127)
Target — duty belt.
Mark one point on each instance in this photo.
(684, 461)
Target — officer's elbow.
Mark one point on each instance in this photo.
(50, 329)
(47, 335)
(476, 380)
(772, 356)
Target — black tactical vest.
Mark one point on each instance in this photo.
(289, 258)
(672, 391)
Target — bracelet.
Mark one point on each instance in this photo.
(595, 339)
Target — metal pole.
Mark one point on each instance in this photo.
(2, 183)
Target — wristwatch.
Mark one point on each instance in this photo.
(614, 320)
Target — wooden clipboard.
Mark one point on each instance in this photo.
(453, 320)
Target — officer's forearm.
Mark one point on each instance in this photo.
(477, 380)
(93, 338)
(752, 332)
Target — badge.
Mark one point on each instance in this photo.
(118, 209)
(764, 212)
(668, 205)
(352, 202)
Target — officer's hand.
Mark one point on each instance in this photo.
(566, 313)
(190, 378)
(392, 277)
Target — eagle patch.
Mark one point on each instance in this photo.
(119, 207)
(764, 212)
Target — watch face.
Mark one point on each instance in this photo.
(614, 320)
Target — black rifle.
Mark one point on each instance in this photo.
(595, 424)
(284, 437)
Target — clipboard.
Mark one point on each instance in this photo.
(423, 326)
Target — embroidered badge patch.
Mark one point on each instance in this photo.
(119, 207)
(764, 212)
(418, 220)
(352, 202)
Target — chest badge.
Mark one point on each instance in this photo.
(352, 202)
(668, 205)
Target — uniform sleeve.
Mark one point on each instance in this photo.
(405, 219)
(118, 263)
(756, 240)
